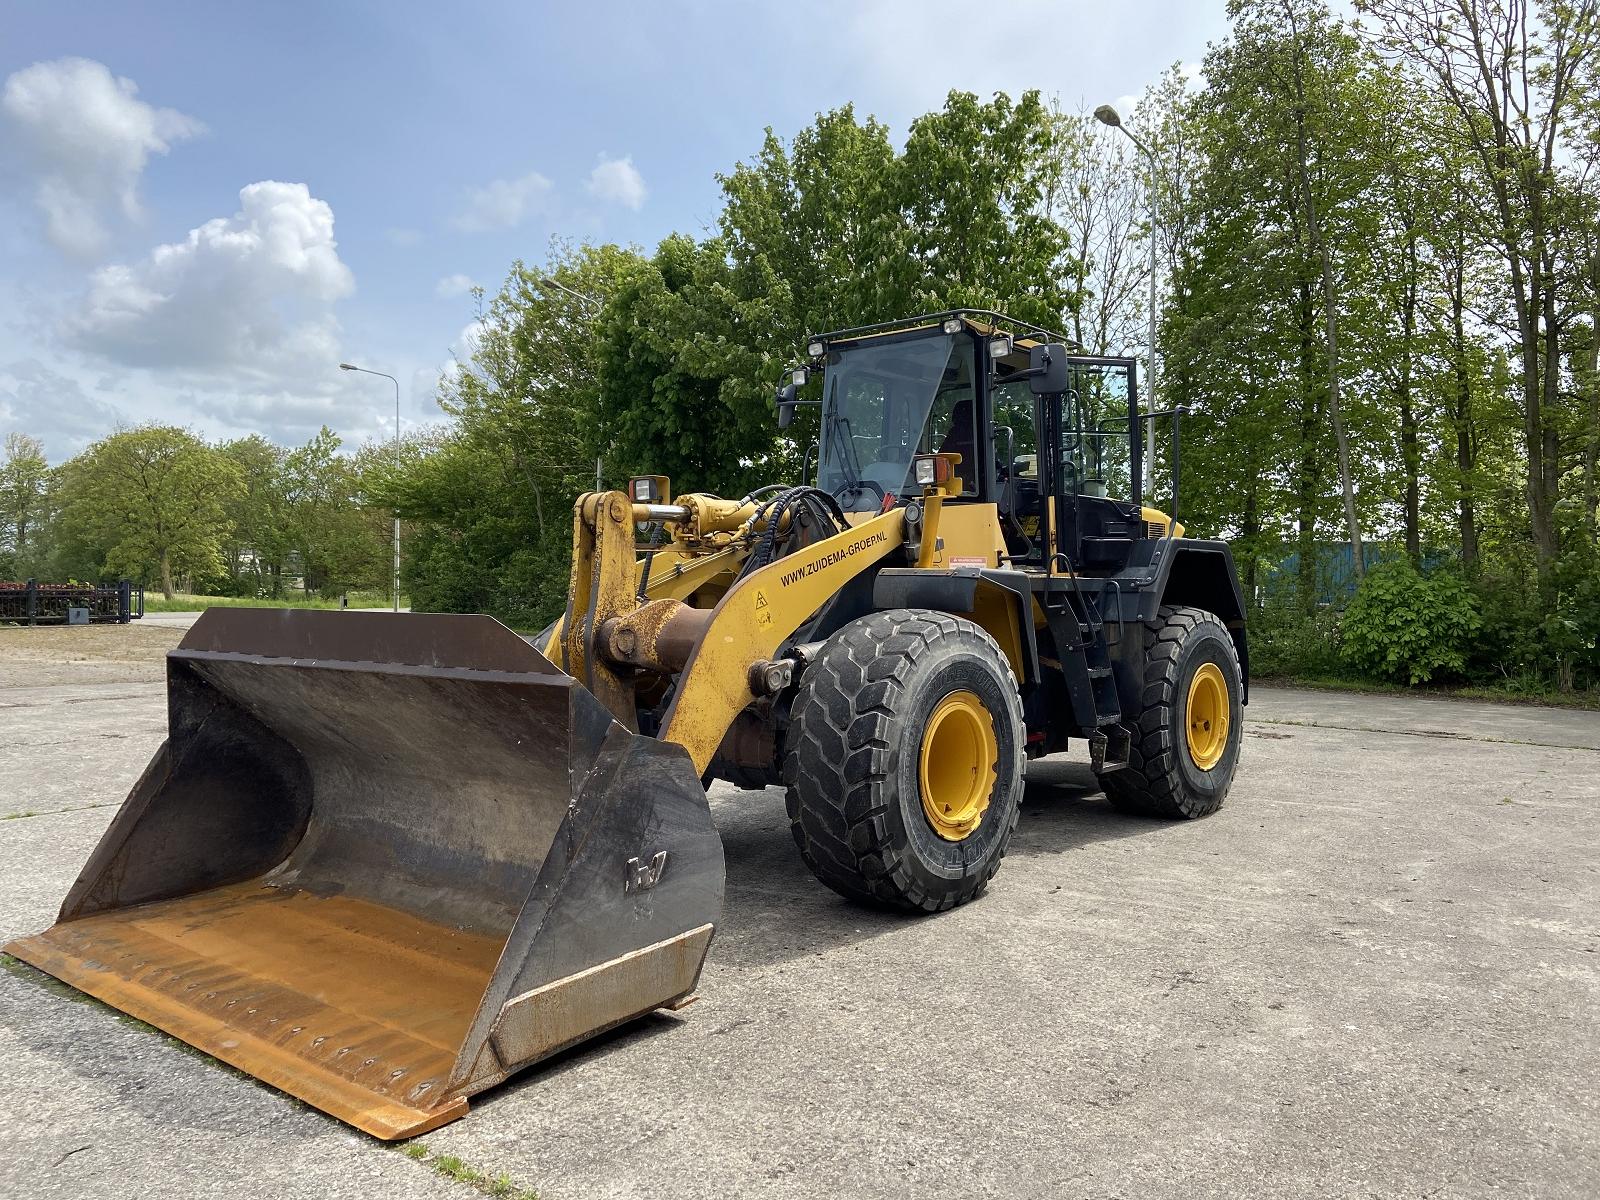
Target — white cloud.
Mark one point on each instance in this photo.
(236, 321)
(470, 339)
(425, 386)
(242, 292)
(618, 181)
(503, 204)
(452, 286)
(52, 407)
(84, 137)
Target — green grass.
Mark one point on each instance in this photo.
(183, 602)
(453, 1168)
(1589, 699)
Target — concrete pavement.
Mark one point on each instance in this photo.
(1374, 972)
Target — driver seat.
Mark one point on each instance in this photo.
(960, 439)
(1019, 497)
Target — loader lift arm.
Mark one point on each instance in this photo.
(721, 655)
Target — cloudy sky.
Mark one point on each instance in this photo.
(204, 210)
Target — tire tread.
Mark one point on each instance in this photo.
(838, 803)
(1150, 784)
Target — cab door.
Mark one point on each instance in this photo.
(1092, 429)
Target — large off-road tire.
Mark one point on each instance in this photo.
(1186, 734)
(903, 760)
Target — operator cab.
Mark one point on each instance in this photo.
(965, 383)
(888, 399)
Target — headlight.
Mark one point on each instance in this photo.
(953, 325)
(816, 349)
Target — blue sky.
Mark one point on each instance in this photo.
(402, 148)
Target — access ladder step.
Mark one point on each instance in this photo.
(1109, 748)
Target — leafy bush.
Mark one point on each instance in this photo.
(1409, 627)
(1287, 641)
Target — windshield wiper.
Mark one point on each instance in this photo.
(849, 460)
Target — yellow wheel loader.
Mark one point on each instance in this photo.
(383, 861)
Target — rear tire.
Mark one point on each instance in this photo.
(1191, 677)
(855, 760)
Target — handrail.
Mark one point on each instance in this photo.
(1115, 585)
(910, 322)
(1077, 590)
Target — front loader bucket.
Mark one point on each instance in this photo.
(384, 860)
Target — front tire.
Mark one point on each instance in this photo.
(1186, 739)
(903, 761)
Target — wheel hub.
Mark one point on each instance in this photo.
(1206, 716)
(957, 765)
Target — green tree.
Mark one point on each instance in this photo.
(338, 543)
(24, 491)
(150, 502)
(254, 550)
(684, 390)
(1516, 78)
(973, 189)
(489, 498)
(1273, 280)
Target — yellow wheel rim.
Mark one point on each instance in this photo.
(1206, 716)
(957, 765)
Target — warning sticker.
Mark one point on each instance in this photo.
(763, 612)
(968, 561)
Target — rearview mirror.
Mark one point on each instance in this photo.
(1047, 366)
(785, 399)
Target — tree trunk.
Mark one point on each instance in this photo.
(1591, 459)
(1330, 308)
(1528, 293)
(1250, 527)
(1549, 432)
(1410, 455)
(1461, 417)
(166, 575)
(1308, 473)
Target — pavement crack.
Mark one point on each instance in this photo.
(73, 741)
(67, 1155)
(51, 812)
(1426, 733)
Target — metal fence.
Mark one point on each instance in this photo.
(1335, 570)
(35, 603)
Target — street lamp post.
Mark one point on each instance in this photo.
(1107, 115)
(396, 382)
